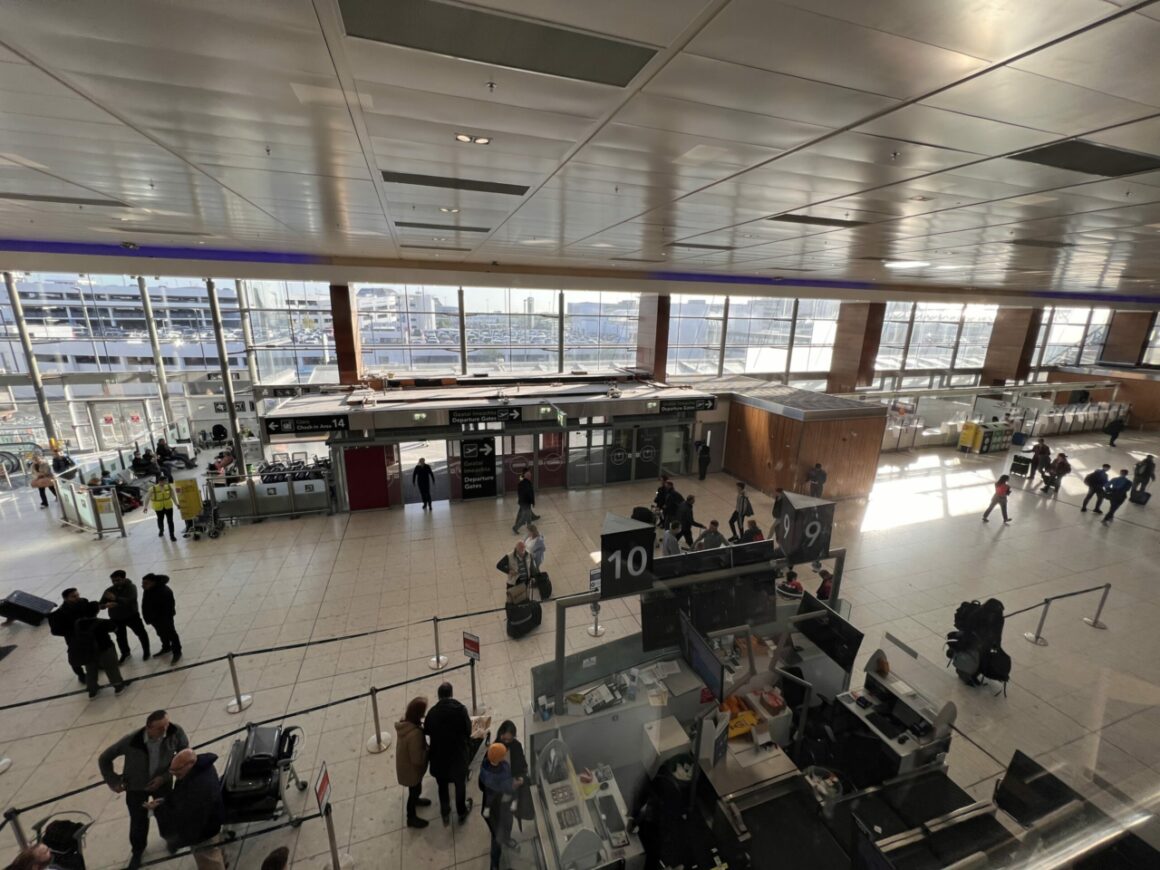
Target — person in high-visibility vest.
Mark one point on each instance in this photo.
(160, 498)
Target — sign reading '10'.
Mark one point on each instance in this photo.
(626, 562)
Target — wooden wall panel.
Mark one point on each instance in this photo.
(347, 342)
(1012, 345)
(1127, 337)
(855, 346)
(652, 345)
(768, 451)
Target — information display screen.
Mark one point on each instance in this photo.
(830, 633)
(701, 658)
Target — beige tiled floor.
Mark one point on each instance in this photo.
(1088, 703)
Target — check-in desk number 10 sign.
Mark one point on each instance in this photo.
(626, 557)
(804, 524)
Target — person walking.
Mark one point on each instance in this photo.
(775, 529)
(43, 480)
(526, 494)
(704, 457)
(448, 727)
(999, 499)
(686, 519)
(817, 478)
(62, 623)
(158, 610)
(194, 811)
(1040, 458)
(673, 502)
(1054, 474)
(659, 500)
(671, 542)
(1114, 429)
(422, 478)
(120, 600)
(95, 651)
(145, 754)
(1118, 489)
(1143, 474)
(161, 497)
(1096, 482)
(536, 546)
(742, 509)
(711, 538)
(499, 787)
(522, 805)
(411, 759)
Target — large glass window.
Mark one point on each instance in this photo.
(512, 330)
(978, 322)
(758, 334)
(895, 328)
(814, 334)
(1152, 353)
(934, 335)
(695, 323)
(292, 329)
(1097, 335)
(600, 329)
(406, 328)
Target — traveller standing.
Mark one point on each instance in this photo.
(521, 566)
(422, 478)
(120, 600)
(775, 530)
(536, 546)
(704, 457)
(145, 758)
(742, 508)
(194, 811)
(999, 499)
(817, 478)
(711, 538)
(62, 465)
(42, 479)
(95, 650)
(448, 727)
(659, 500)
(1118, 489)
(1144, 474)
(519, 764)
(1114, 429)
(411, 759)
(1096, 482)
(1040, 457)
(686, 519)
(161, 498)
(671, 542)
(62, 622)
(499, 786)
(1054, 474)
(752, 533)
(158, 610)
(526, 494)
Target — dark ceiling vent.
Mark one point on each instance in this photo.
(416, 225)
(63, 200)
(811, 221)
(1039, 243)
(1087, 157)
(698, 247)
(454, 183)
(502, 40)
(433, 248)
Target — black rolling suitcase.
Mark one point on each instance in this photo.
(1140, 497)
(1021, 465)
(523, 618)
(26, 608)
(644, 515)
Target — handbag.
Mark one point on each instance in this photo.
(544, 585)
(517, 594)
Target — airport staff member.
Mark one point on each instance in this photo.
(161, 499)
(422, 478)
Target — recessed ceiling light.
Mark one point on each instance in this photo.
(468, 139)
(948, 268)
(449, 210)
(601, 245)
(482, 140)
(537, 241)
(462, 137)
(920, 199)
(905, 264)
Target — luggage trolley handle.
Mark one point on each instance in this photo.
(292, 737)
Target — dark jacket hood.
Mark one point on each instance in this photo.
(160, 579)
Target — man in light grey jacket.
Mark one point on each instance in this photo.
(671, 542)
(146, 754)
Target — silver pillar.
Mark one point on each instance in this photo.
(247, 331)
(462, 335)
(155, 344)
(29, 356)
(215, 312)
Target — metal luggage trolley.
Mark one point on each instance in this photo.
(65, 837)
(258, 773)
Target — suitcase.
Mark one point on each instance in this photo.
(644, 515)
(543, 585)
(1140, 498)
(1021, 465)
(26, 608)
(523, 618)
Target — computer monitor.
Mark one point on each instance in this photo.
(701, 658)
(830, 633)
(757, 599)
(714, 606)
(751, 554)
(660, 623)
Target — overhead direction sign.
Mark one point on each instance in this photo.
(688, 404)
(486, 414)
(296, 425)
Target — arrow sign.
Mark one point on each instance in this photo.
(486, 449)
(688, 404)
(485, 414)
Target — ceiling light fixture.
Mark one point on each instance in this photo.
(462, 137)
(468, 139)
(905, 264)
(534, 241)
(920, 199)
(449, 210)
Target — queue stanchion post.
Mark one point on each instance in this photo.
(337, 861)
(438, 662)
(1037, 638)
(474, 699)
(1094, 621)
(13, 818)
(596, 629)
(378, 742)
(240, 702)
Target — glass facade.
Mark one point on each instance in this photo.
(1152, 352)
(815, 328)
(409, 328)
(695, 333)
(758, 334)
(933, 344)
(600, 329)
(1071, 336)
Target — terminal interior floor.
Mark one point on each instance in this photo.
(1087, 704)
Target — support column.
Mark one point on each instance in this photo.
(1128, 334)
(1012, 345)
(243, 292)
(215, 313)
(462, 335)
(347, 346)
(30, 357)
(652, 337)
(856, 346)
(155, 344)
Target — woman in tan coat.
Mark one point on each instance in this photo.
(411, 759)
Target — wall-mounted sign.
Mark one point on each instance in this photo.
(306, 425)
(222, 407)
(488, 414)
(688, 405)
(478, 466)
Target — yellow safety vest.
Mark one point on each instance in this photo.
(161, 496)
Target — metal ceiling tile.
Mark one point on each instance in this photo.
(931, 126)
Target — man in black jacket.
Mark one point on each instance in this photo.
(449, 728)
(120, 600)
(422, 478)
(94, 649)
(63, 620)
(158, 610)
(146, 755)
(527, 498)
(194, 811)
(686, 519)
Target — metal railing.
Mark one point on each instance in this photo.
(1036, 637)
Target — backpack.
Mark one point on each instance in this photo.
(965, 614)
(1090, 479)
(996, 665)
(748, 508)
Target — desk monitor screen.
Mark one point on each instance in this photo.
(750, 554)
(660, 622)
(833, 635)
(701, 658)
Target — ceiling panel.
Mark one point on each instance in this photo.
(651, 22)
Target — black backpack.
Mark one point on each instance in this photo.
(996, 666)
(965, 615)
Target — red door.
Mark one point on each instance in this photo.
(366, 477)
(552, 471)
